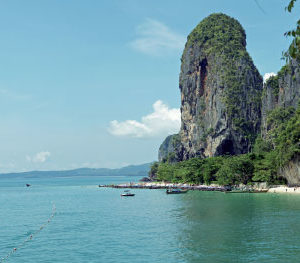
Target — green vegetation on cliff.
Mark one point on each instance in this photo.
(262, 165)
(218, 33)
(222, 40)
(273, 83)
(294, 49)
(224, 108)
(169, 149)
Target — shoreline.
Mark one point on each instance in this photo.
(163, 185)
(281, 189)
(284, 189)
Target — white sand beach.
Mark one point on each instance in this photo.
(285, 190)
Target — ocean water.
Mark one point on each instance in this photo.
(95, 224)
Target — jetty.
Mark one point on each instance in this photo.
(257, 188)
(159, 185)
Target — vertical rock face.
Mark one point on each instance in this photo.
(282, 90)
(171, 149)
(220, 90)
(224, 105)
(291, 172)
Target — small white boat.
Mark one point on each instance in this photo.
(127, 193)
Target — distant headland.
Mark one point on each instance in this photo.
(131, 170)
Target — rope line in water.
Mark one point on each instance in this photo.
(30, 237)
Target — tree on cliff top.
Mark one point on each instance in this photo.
(216, 32)
(294, 49)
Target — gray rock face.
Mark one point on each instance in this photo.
(281, 91)
(170, 149)
(291, 172)
(223, 103)
(220, 90)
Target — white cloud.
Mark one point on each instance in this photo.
(268, 75)
(161, 122)
(155, 38)
(40, 157)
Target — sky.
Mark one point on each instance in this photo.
(86, 83)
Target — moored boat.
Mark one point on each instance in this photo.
(176, 191)
(127, 193)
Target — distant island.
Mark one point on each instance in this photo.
(131, 170)
(235, 129)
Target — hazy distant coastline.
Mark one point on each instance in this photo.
(131, 170)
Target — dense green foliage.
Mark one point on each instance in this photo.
(273, 81)
(294, 49)
(223, 170)
(262, 165)
(286, 137)
(153, 170)
(217, 33)
(277, 119)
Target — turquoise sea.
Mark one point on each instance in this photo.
(95, 224)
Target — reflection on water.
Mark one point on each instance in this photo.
(240, 227)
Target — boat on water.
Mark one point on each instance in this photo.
(28, 185)
(176, 191)
(245, 191)
(127, 193)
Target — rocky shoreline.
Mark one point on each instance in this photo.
(260, 187)
(164, 185)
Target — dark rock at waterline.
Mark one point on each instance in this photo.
(145, 179)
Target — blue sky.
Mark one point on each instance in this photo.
(95, 83)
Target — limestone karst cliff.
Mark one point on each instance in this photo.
(282, 90)
(226, 109)
(220, 93)
(280, 99)
(171, 149)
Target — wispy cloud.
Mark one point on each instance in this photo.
(155, 38)
(161, 122)
(40, 157)
(268, 75)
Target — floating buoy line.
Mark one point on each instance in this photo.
(30, 237)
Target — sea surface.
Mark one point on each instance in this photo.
(95, 224)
